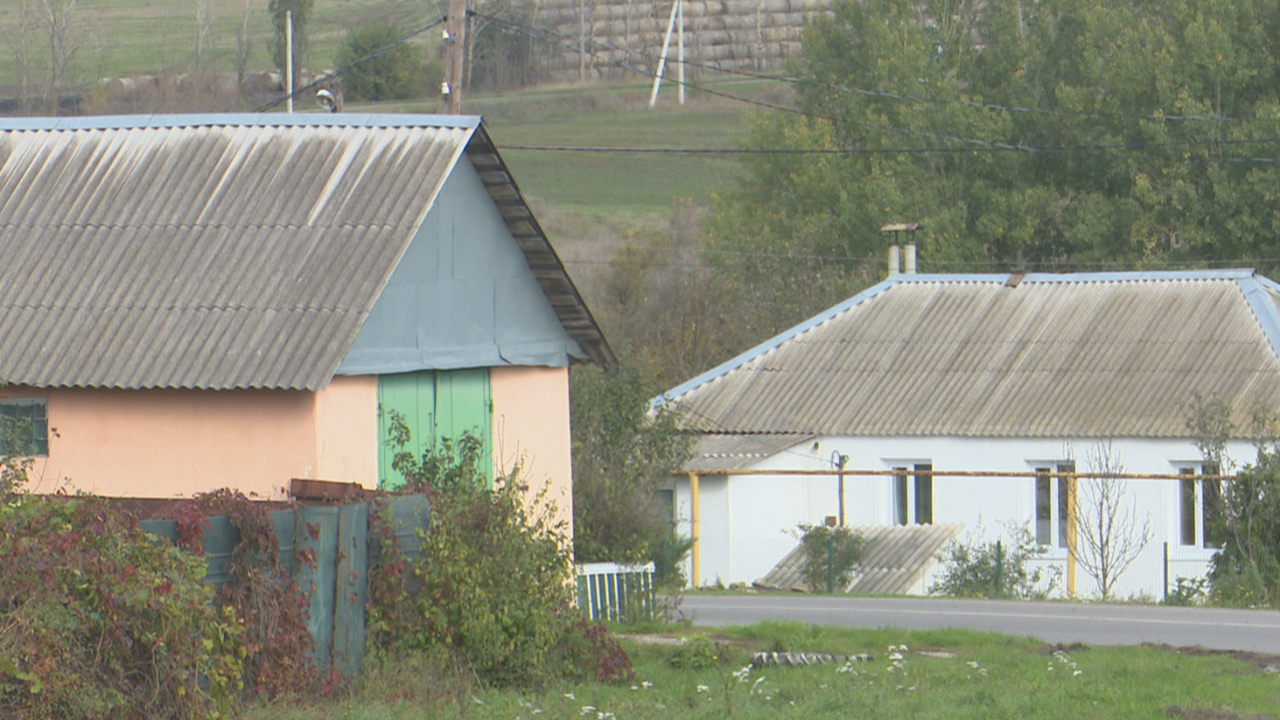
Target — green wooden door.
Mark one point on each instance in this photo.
(436, 404)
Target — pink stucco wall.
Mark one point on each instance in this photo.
(531, 426)
(174, 443)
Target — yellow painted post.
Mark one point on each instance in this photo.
(1072, 519)
(695, 532)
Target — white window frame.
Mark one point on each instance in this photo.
(1056, 471)
(912, 470)
(1194, 469)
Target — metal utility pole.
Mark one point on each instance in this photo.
(455, 43)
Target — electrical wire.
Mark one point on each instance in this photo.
(552, 37)
(342, 70)
(576, 43)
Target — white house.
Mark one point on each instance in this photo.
(1026, 374)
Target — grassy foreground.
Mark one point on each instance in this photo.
(938, 674)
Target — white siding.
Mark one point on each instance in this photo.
(747, 519)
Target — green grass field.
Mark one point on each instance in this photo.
(118, 38)
(938, 674)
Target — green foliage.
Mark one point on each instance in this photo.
(271, 608)
(621, 456)
(994, 569)
(492, 586)
(1188, 592)
(921, 95)
(696, 653)
(831, 556)
(456, 466)
(279, 10)
(1245, 572)
(397, 74)
(98, 620)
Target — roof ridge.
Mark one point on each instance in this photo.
(162, 121)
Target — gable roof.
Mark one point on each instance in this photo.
(1094, 355)
(226, 251)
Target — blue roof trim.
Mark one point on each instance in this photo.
(764, 347)
(120, 122)
(1261, 304)
(1255, 289)
(1109, 276)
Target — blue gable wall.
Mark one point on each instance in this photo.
(462, 296)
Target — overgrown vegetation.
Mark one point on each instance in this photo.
(491, 590)
(831, 556)
(1245, 572)
(97, 620)
(271, 609)
(976, 568)
(621, 457)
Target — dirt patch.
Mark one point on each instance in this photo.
(1226, 713)
(1265, 662)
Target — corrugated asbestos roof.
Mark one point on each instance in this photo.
(733, 451)
(1088, 355)
(224, 251)
(896, 558)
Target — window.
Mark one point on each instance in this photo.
(913, 494)
(24, 426)
(1049, 513)
(1199, 507)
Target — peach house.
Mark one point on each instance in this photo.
(193, 302)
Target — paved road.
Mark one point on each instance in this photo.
(1096, 624)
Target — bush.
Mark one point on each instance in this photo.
(973, 568)
(270, 606)
(99, 620)
(1187, 592)
(397, 74)
(1246, 571)
(831, 556)
(492, 586)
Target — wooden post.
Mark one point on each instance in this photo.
(695, 532)
(454, 55)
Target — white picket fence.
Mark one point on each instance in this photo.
(610, 591)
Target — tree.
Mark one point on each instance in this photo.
(397, 74)
(621, 455)
(280, 10)
(58, 16)
(244, 45)
(204, 20)
(20, 41)
(1110, 533)
(1046, 135)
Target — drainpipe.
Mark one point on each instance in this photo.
(695, 533)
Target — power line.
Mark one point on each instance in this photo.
(553, 37)
(342, 70)
(566, 41)
(576, 43)
(1060, 149)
